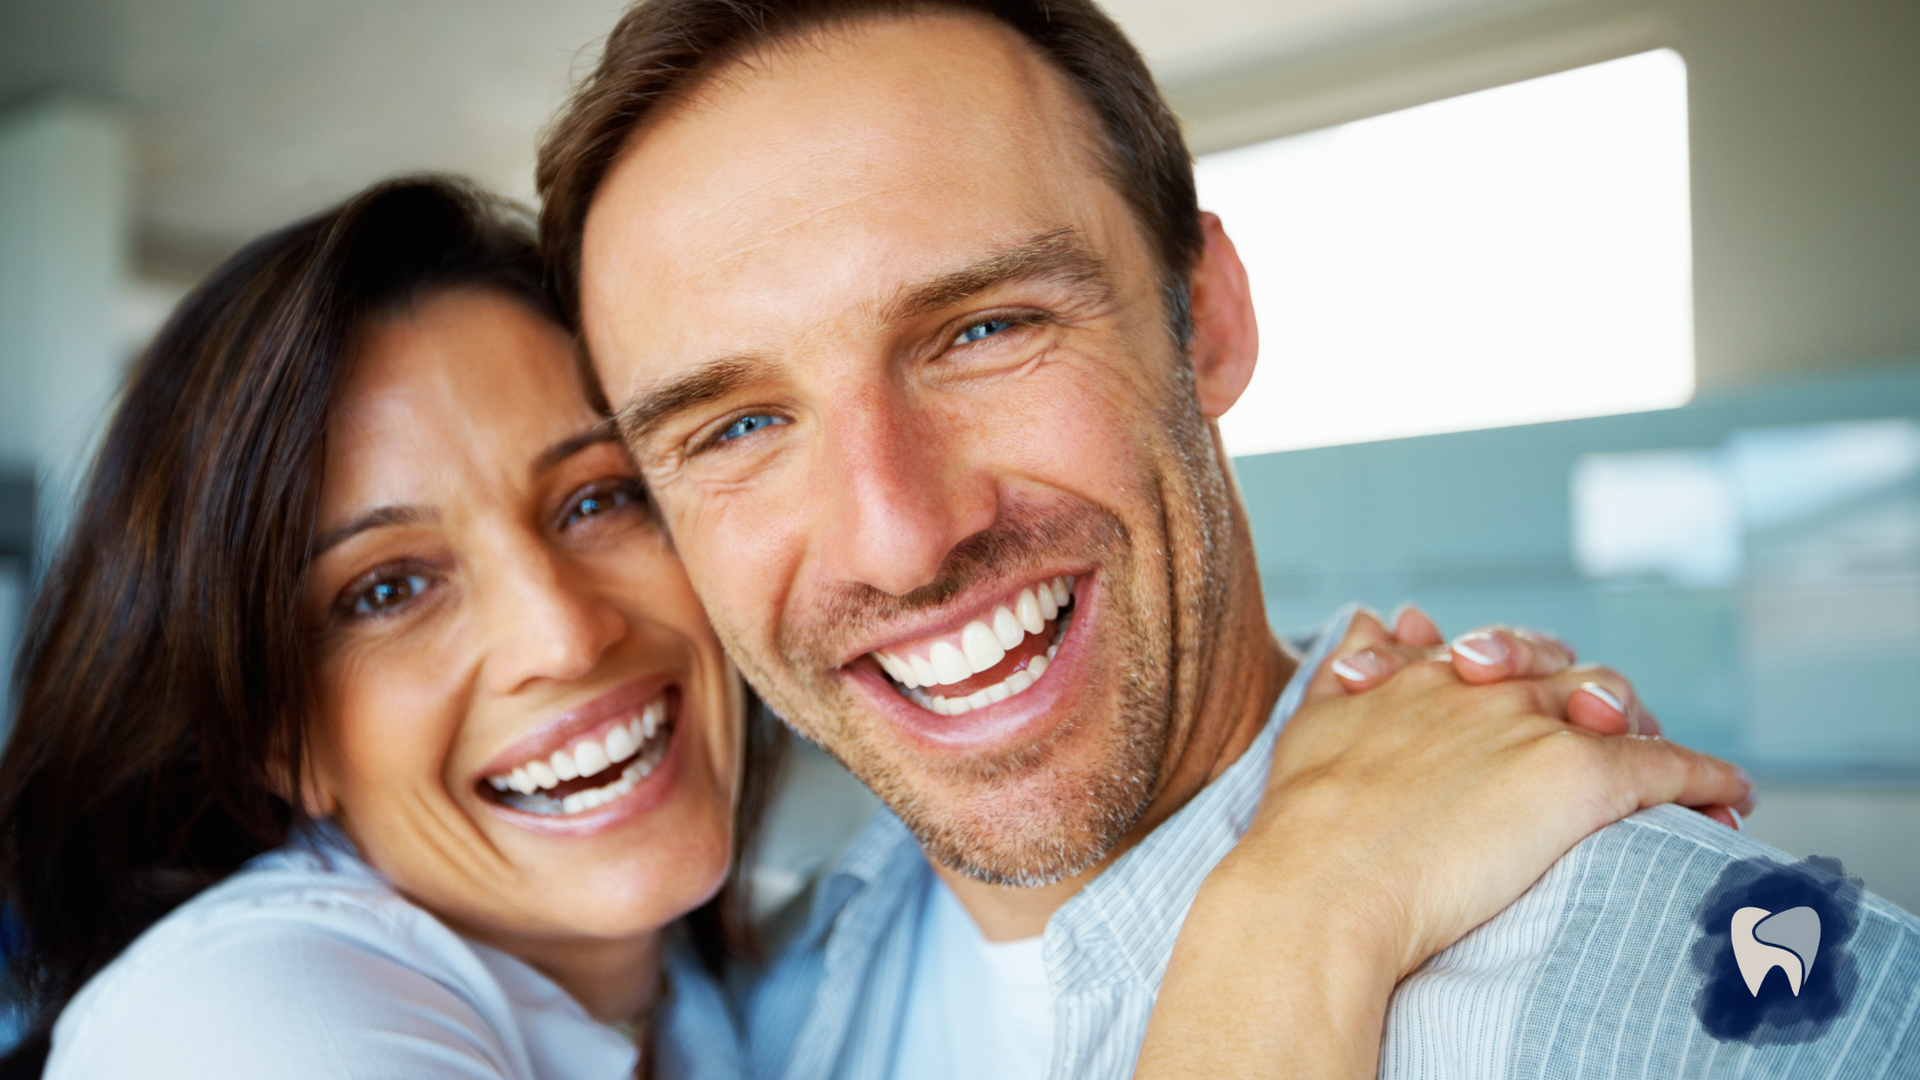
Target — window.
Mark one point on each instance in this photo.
(1507, 257)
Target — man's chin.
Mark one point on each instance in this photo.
(1031, 820)
(1013, 852)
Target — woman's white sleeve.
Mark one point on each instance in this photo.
(300, 1001)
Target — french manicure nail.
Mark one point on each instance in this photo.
(1606, 696)
(1359, 667)
(1483, 649)
(1739, 823)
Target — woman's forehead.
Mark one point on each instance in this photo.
(461, 381)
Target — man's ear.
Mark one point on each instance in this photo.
(1225, 340)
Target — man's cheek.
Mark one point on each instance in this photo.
(747, 563)
(1081, 438)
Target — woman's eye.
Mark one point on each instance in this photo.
(747, 425)
(981, 330)
(389, 593)
(604, 500)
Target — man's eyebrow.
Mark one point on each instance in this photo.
(711, 381)
(602, 432)
(372, 519)
(1060, 254)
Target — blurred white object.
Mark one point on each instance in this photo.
(1517, 255)
(1785, 474)
(1687, 514)
(1664, 512)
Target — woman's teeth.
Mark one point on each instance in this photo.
(642, 738)
(983, 644)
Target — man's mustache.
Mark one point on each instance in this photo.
(1024, 540)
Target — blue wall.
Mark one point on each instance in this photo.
(1476, 528)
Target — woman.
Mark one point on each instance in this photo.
(369, 725)
(357, 548)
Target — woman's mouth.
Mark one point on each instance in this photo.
(590, 771)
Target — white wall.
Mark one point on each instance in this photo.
(64, 226)
(1805, 128)
(1806, 181)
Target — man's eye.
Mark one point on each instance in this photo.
(605, 499)
(747, 425)
(389, 593)
(981, 330)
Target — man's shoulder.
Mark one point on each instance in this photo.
(845, 950)
(1617, 962)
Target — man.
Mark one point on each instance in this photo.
(915, 329)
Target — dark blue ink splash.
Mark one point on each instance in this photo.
(1731, 1012)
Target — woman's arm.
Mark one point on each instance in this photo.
(1394, 822)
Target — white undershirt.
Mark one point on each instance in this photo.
(976, 1009)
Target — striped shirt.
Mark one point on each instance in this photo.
(1586, 975)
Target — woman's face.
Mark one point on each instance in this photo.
(496, 615)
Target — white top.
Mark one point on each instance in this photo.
(975, 1009)
(308, 965)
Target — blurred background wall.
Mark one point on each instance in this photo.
(1762, 584)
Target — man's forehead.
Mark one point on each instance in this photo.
(857, 159)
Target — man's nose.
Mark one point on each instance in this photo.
(546, 619)
(903, 489)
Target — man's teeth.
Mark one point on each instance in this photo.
(983, 644)
(588, 757)
(1000, 691)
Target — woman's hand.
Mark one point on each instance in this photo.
(1395, 821)
(1370, 655)
(1490, 654)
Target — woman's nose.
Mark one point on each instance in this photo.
(546, 620)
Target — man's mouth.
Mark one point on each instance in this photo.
(591, 770)
(992, 658)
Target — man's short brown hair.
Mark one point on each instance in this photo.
(661, 49)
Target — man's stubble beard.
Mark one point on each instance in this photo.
(1015, 829)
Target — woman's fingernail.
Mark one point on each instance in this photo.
(1556, 641)
(1359, 667)
(1739, 823)
(1606, 695)
(1483, 649)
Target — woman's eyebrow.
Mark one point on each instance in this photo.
(372, 519)
(602, 432)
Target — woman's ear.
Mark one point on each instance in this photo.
(311, 790)
(316, 798)
(1226, 342)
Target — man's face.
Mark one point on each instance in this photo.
(894, 355)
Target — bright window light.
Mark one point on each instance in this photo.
(1517, 255)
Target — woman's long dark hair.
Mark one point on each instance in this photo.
(163, 675)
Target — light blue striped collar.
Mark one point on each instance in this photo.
(1122, 926)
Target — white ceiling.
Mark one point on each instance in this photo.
(246, 113)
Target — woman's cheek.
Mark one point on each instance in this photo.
(383, 719)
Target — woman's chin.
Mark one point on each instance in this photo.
(617, 884)
(630, 901)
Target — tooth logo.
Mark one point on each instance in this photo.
(1763, 941)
